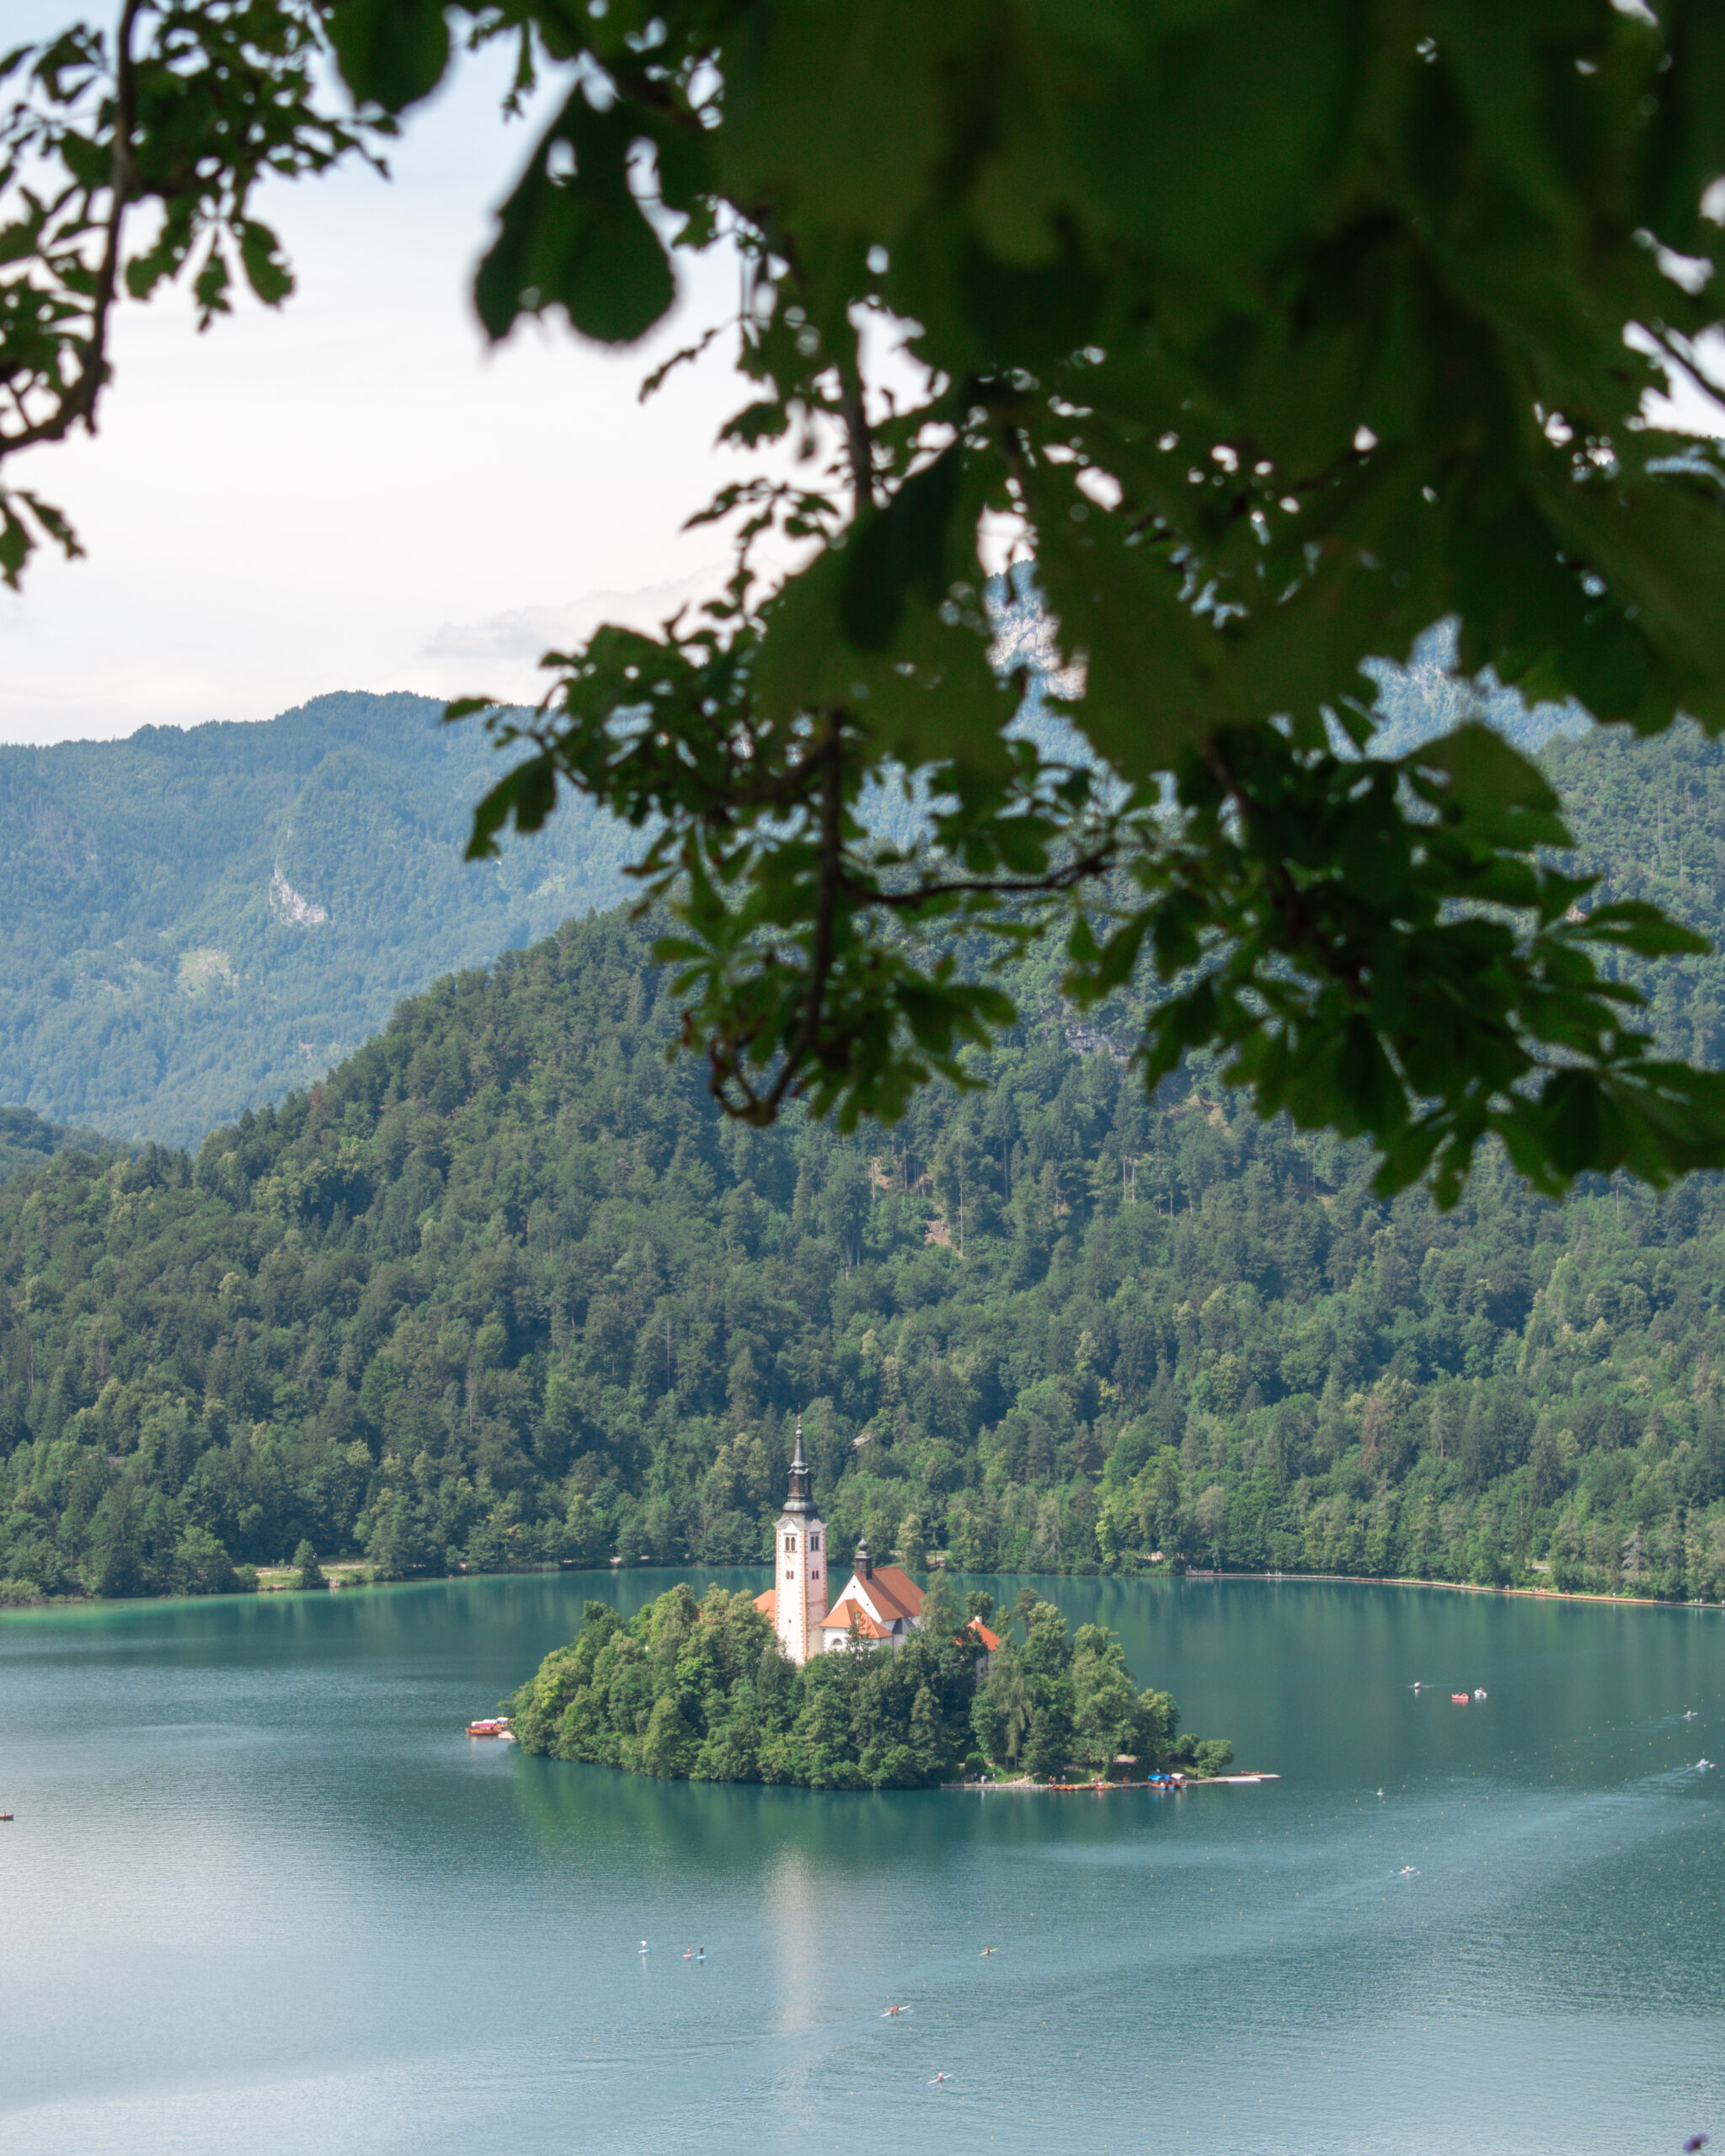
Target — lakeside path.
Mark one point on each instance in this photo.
(1450, 1587)
(355, 1574)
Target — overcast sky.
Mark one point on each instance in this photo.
(353, 492)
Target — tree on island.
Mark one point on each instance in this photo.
(1262, 338)
(703, 1692)
(1069, 1699)
(307, 1573)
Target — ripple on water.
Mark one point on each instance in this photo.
(266, 1893)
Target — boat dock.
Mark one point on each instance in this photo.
(1168, 1787)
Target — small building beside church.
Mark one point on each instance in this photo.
(880, 1605)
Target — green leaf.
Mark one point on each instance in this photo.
(528, 794)
(1487, 774)
(266, 266)
(1637, 926)
(901, 549)
(838, 108)
(390, 53)
(582, 243)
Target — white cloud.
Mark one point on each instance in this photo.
(500, 654)
(320, 499)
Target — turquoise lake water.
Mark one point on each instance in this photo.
(260, 1892)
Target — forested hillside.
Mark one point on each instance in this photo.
(26, 1141)
(193, 923)
(1427, 696)
(505, 1288)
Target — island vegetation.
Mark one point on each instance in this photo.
(701, 1691)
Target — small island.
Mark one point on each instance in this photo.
(894, 1688)
(702, 1691)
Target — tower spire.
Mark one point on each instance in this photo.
(802, 1476)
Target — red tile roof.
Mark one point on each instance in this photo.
(847, 1616)
(989, 1639)
(768, 1604)
(894, 1593)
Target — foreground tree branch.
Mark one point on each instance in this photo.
(1270, 338)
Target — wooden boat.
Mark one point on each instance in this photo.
(495, 1726)
(1459, 1699)
(5, 1815)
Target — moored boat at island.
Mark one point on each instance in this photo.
(491, 1726)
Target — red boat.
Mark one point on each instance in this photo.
(1458, 1699)
(496, 1727)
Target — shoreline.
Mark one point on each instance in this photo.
(1449, 1587)
(352, 1575)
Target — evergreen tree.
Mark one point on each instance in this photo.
(436, 1335)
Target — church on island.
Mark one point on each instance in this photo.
(881, 1606)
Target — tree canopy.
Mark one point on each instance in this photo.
(1263, 334)
(701, 1691)
(506, 1289)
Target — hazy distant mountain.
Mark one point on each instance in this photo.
(192, 923)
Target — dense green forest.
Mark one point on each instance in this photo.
(703, 1692)
(26, 1141)
(193, 923)
(505, 1288)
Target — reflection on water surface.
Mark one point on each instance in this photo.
(261, 1890)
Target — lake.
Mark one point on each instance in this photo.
(261, 1892)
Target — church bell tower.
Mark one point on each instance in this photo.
(800, 1556)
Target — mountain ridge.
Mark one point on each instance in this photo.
(199, 921)
(194, 922)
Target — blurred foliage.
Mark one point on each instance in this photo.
(1274, 333)
(128, 160)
